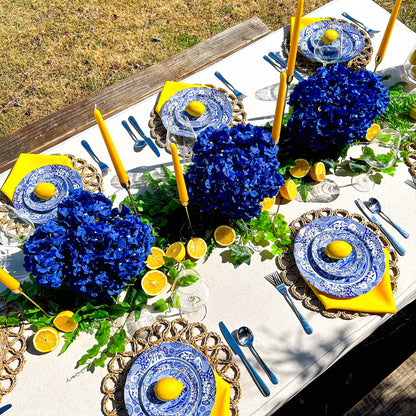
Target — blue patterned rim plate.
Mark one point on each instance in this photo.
(170, 359)
(218, 111)
(352, 43)
(351, 276)
(36, 209)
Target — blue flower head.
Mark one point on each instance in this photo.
(233, 170)
(334, 107)
(90, 246)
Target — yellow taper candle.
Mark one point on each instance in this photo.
(385, 41)
(294, 40)
(280, 106)
(9, 281)
(115, 158)
(180, 180)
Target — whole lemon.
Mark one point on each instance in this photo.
(168, 388)
(195, 108)
(338, 250)
(45, 190)
(330, 36)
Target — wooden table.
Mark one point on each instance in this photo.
(49, 384)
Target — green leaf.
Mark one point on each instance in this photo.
(173, 273)
(100, 362)
(188, 280)
(83, 360)
(161, 305)
(358, 166)
(169, 262)
(330, 164)
(188, 264)
(69, 339)
(304, 190)
(240, 254)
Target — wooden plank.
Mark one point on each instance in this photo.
(395, 395)
(77, 117)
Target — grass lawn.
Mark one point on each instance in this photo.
(57, 52)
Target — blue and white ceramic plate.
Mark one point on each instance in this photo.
(351, 276)
(39, 210)
(218, 111)
(352, 40)
(176, 360)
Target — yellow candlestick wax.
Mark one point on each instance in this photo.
(389, 29)
(180, 180)
(112, 151)
(294, 40)
(9, 281)
(280, 106)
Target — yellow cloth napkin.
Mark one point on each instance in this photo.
(25, 163)
(222, 397)
(378, 300)
(171, 88)
(304, 21)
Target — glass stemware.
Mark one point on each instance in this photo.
(191, 300)
(184, 143)
(328, 48)
(15, 230)
(379, 153)
(410, 66)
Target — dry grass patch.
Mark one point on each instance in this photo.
(56, 52)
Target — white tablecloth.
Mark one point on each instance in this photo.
(49, 384)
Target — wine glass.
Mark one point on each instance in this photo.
(190, 299)
(184, 142)
(328, 48)
(15, 230)
(379, 153)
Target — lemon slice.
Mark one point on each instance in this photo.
(46, 339)
(372, 131)
(155, 260)
(412, 112)
(168, 388)
(267, 203)
(45, 190)
(300, 169)
(338, 249)
(154, 282)
(317, 172)
(288, 191)
(176, 251)
(195, 109)
(224, 235)
(330, 36)
(196, 248)
(64, 321)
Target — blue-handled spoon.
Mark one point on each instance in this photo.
(138, 144)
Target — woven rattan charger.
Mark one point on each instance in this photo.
(12, 348)
(309, 67)
(158, 130)
(206, 342)
(298, 286)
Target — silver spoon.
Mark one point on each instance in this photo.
(375, 206)
(138, 144)
(245, 338)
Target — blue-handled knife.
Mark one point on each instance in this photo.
(284, 63)
(374, 220)
(148, 140)
(4, 408)
(237, 350)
